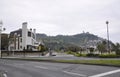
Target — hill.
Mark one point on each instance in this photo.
(59, 41)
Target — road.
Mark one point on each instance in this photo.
(60, 56)
(14, 68)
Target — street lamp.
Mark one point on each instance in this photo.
(108, 47)
(1, 24)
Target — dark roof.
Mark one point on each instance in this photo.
(18, 32)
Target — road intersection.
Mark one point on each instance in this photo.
(14, 68)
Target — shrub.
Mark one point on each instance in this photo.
(92, 55)
(70, 52)
(108, 56)
(118, 52)
(80, 55)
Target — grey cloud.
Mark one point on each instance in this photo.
(63, 16)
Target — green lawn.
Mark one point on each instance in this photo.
(98, 62)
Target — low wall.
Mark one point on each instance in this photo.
(22, 53)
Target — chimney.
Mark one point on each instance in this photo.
(24, 35)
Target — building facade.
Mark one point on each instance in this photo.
(23, 39)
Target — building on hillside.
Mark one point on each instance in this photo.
(23, 39)
(93, 43)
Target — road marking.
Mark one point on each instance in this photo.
(41, 67)
(106, 73)
(75, 74)
(4, 75)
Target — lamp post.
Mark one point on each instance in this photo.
(1, 24)
(108, 47)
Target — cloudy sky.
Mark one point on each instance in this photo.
(66, 17)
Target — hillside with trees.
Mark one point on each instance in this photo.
(63, 41)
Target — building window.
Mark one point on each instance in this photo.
(21, 47)
(29, 34)
(21, 40)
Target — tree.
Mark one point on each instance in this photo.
(42, 48)
(117, 48)
(4, 41)
(73, 48)
(102, 47)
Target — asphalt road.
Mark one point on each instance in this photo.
(61, 56)
(14, 68)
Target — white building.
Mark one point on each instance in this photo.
(23, 39)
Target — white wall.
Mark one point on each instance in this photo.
(29, 42)
(24, 35)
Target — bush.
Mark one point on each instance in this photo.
(76, 54)
(109, 56)
(70, 52)
(92, 55)
(118, 52)
(80, 55)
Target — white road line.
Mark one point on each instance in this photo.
(4, 75)
(41, 67)
(75, 74)
(106, 73)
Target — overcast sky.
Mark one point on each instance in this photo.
(66, 17)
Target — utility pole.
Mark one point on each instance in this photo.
(108, 46)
